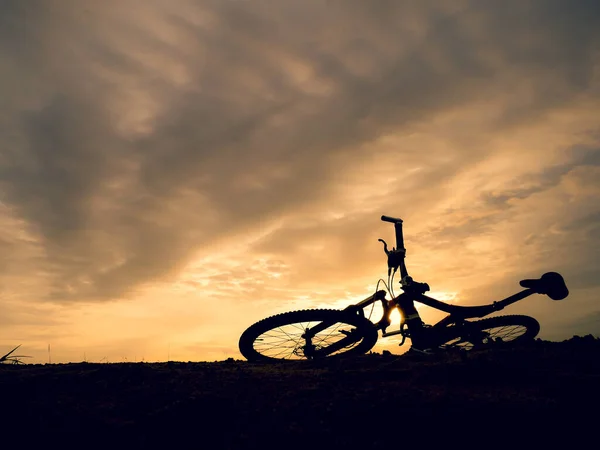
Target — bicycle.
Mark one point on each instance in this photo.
(328, 333)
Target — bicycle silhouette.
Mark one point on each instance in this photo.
(327, 333)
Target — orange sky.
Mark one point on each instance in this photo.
(172, 172)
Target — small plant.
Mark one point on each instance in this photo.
(13, 359)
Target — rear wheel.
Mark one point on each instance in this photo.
(494, 331)
(308, 334)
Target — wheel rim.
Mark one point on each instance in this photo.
(287, 342)
(486, 337)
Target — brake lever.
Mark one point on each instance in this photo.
(385, 248)
(390, 257)
(395, 256)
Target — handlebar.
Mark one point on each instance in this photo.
(391, 219)
(398, 228)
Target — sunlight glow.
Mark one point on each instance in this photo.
(185, 169)
(395, 318)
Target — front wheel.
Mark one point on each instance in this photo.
(309, 334)
(493, 331)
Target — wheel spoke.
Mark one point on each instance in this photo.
(500, 330)
(287, 339)
(327, 336)
(284, 332)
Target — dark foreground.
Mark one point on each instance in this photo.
(547, 393)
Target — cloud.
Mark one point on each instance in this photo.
(139, 136)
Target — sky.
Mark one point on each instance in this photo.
(173, 171)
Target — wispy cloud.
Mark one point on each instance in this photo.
(142, 138)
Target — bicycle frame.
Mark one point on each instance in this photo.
(411, 324)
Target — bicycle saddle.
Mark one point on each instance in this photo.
(551, 284)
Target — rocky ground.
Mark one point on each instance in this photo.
(546, 393)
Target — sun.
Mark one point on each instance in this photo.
(395, 318)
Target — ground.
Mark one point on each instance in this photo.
(544, 393)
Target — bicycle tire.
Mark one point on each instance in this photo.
(360, 334)
(475, 335)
